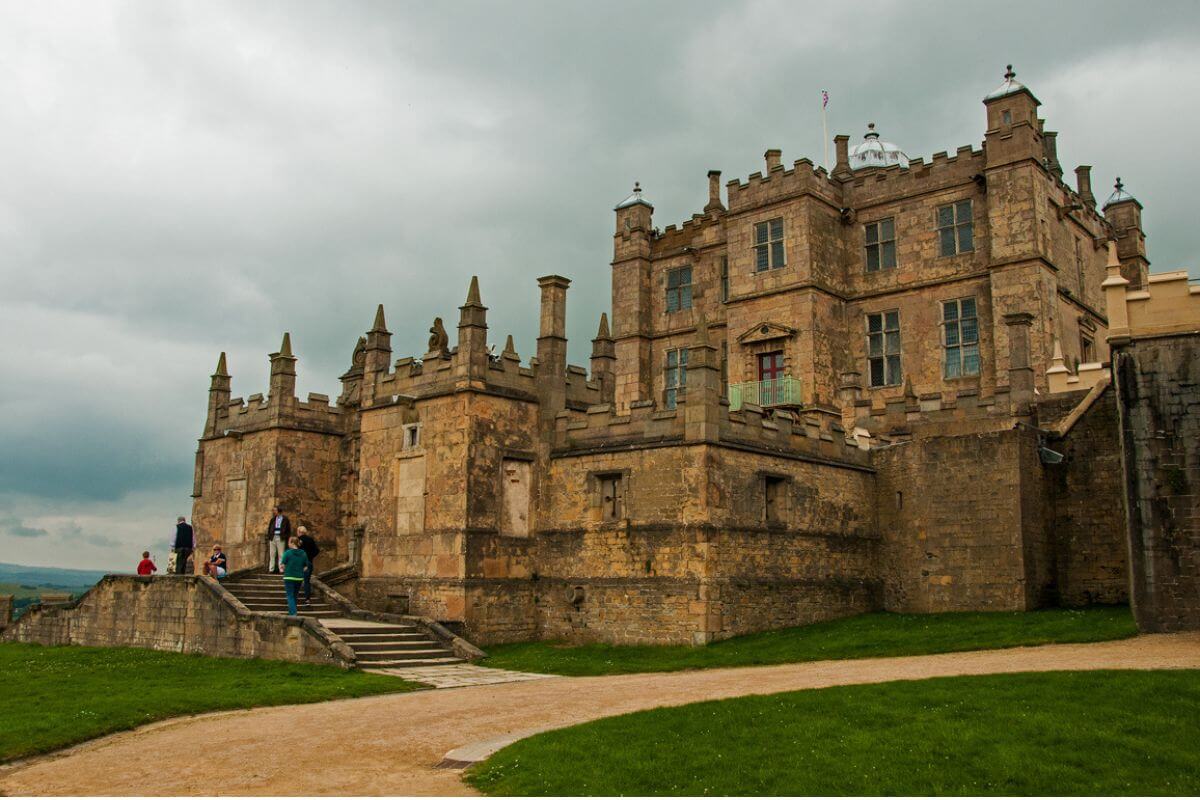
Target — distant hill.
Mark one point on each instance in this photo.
(49, 576)
(27, 584)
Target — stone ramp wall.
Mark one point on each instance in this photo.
(1159, 395)
(181, 614)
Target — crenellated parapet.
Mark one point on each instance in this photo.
(887, 184)
(809, 435)
(780, 183)
(317, 413)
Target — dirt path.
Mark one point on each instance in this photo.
(391, 745)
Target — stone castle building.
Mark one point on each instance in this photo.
(882, 387)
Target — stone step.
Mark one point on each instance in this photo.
(424, 662)
(353, 631)
(392, 655)
(371, 638)
(271, 593)
(389, 647)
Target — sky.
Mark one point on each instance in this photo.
(179, 179)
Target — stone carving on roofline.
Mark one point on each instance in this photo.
(765, 332)
(439, 340)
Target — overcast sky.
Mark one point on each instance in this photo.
(178, 179)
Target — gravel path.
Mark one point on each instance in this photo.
(391, 745)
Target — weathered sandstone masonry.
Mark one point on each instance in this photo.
(1155, 336)
(182, 614)
(880, 387)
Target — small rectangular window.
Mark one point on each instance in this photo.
(724, 279)
(674, 376)
(412, 437)
(1006, 118)
(774, 499)
(679, 289)
(960, 337)
(612, 496)
(724, 369)
(881, 244)
(956, 228)
(883, 348)
(768, 245)
(1087, 349)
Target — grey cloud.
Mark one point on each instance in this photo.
(182, 179)
(12, 526)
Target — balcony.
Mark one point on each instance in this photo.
(775, 392)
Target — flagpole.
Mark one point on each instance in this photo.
(825, 128)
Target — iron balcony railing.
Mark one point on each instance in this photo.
(775, 392)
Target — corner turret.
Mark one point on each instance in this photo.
(1124, 212)
(631, 298)
(1013, 130)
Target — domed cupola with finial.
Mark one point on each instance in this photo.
(1010, 86)
(1119, 195)
(875, 152)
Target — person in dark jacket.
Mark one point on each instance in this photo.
(310, 547)
(294, 564)
(279, 531)
(185, 542)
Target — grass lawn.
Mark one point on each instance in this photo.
(57, 696)
(1062, 733)
(865, 636)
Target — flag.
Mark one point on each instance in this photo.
(824, 98)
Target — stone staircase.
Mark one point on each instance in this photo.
(376, 645)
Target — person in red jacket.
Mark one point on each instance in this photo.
(146, 566)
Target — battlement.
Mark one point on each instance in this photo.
(780, 182)
(260, 412)
(806, 433)
(810, 434)
(886, 184)
(934, 413)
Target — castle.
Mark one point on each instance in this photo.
(881, 387)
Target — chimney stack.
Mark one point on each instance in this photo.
(714, 192)
(773, 157)
(841, 144)
(1050, 147)
(1083, 184)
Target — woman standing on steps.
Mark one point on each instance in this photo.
(294, 564)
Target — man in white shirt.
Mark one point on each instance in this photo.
(279, 530)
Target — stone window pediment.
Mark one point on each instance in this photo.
(766, 332)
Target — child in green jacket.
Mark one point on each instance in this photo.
(295, 564)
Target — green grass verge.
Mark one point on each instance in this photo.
(57, 696)
(865, 636)
(1063, 733)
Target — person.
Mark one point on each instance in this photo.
(279, 531)
(146, 566)
(310, 547)
(294, 564)
(185, 542)
(216, 565)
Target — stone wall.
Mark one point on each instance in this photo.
(181, 614)
(1086, 502)
(951, 522)
(242, 477)
(692, 556)
(1158, 381)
